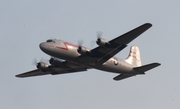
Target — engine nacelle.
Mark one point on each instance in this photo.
(101, 42)
(55, 62)
(81, 50)
(42, 65)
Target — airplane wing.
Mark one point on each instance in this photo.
(123, 76)
(67, 67)
(36, 72)
(118, 44)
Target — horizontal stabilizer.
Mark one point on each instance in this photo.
(147, 67)
(141, 70)
(123, 76)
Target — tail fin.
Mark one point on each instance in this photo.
(134, 57)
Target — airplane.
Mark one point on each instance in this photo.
(70, 58)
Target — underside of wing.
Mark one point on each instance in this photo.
(67, 67)
(105, 53)
(32, 73)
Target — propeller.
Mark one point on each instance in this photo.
(98, 35)
(42, 60)
(34, 62)
(42, 64)
(80, 42)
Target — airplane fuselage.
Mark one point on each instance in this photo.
(69, 52)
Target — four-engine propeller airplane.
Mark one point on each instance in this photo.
(78, 58)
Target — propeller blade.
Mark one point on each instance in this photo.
(93, 43)
(99, 34)
(80, 42)
(44, 60)
(34, 62)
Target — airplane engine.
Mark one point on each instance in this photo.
(55, 62)
(81, 50)
(101, 42)
(42, 65)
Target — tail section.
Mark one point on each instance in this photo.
(134, 57)
(135, 60)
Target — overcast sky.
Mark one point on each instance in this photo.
(26, 23)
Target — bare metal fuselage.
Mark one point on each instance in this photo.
(68, 52)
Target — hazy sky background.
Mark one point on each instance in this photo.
(26, 23)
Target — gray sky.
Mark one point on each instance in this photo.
(25, 24)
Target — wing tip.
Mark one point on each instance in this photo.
(116, 79)
(157, 64)
(148, 24)
(19, 76)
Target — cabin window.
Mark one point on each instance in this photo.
(50, 40)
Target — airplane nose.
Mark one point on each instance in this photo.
(43, 46)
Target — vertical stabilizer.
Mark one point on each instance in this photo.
(134, 57)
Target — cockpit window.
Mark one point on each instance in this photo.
(50, 40)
